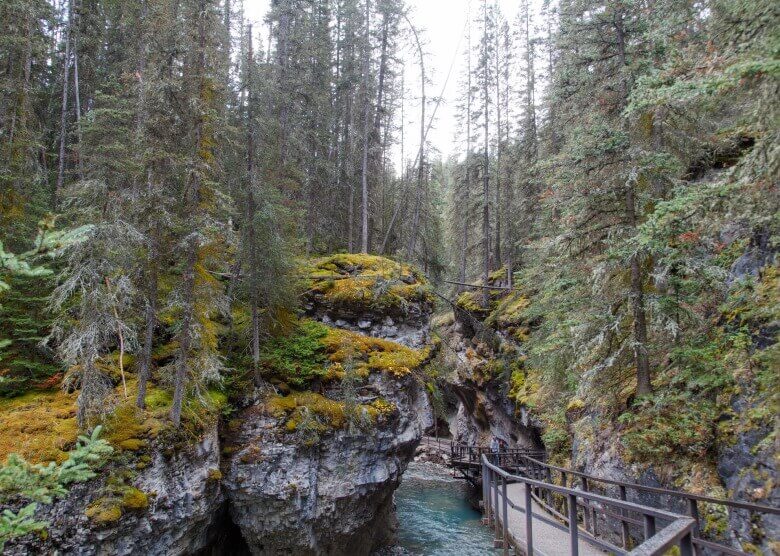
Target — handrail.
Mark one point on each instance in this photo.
(664, 491)
(679, 531)
(527, 463)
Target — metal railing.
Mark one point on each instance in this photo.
(466, 454)
(536, 469)
(677, 530)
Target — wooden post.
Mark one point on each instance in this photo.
(505, 504)
(550, 481)
(565, 498)
(573, 532)
(529, 519)
(686, 545)
(693, 510)
(497, 511)
(623, 524)
(649, 526)
(484, 491)
(587, 504)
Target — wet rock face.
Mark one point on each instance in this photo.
(748, 470)
(334, 497)
(184, 500)
(483, 408)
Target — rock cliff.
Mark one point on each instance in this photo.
(307, 465)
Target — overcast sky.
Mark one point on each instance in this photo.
(442, 23)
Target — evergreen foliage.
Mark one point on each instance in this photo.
(43, 483)
(18, 524)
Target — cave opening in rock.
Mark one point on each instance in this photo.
(227, 539)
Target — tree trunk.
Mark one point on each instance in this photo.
(364, 184)
(467, 190)
(145, 362)
(76, 91)
(421, 157)
(486, 165)
(193, 203)
(185, 336)
(497, 261)
(64, 108)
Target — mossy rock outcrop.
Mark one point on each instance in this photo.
(370, 294)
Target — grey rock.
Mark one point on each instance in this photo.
(181, 518)
(331, 498)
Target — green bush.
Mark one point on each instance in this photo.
(44, 483)
(299, 358)
(16, 525)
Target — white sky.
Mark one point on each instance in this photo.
(442, 23)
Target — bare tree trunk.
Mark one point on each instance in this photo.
(421, 156)
(150, 312)
(251, 210)
(64, 108)
(402, 185)
(641, 358)
(185, 336)
(193, 202)
(150, 317)
(467, 193)
(283, 53)
(486, 168)
(76, 92)
(497, 251)
(364, 184)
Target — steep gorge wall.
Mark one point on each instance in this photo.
(304, 471)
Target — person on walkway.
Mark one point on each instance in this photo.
(494, 445)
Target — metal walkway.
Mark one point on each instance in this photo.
(546, 510)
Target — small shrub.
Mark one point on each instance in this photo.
(13, 525)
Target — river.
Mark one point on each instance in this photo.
(435, 517)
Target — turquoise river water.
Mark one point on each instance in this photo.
(435, 517)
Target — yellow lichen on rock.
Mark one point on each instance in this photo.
(134, 499)
(315, 411)
(39, 426)
(104, 511)
(368, 354)
(357, 282)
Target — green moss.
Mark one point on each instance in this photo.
(157, 398)
(367, 283)
(369, 354)
(104, 511)
(135, 499)
(297, 358)
(315, 413)
(215, 475)
(39, 426)
(132, 444)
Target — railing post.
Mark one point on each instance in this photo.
(686, 545)
(485, 493)
(497, 511)
(505, 504)
(623, 524)
(549, 492)
(586, 508)
(573, 531)
(529, 520)
(693, 510)
(565, 498)
(489, 496)
(649, 526)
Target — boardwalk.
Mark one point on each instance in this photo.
(578, 513)
(548, 540)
